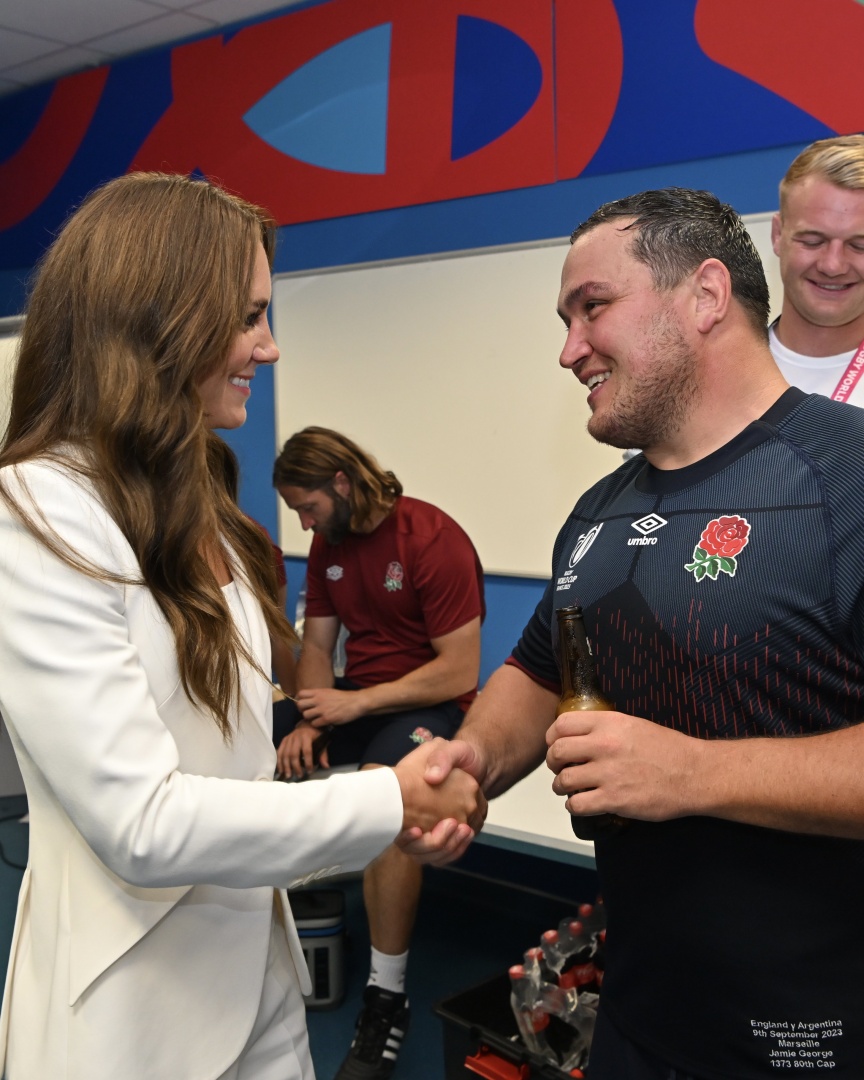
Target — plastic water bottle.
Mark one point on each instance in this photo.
(592, 917)
(537, 967)
(570, 1028)
(531, 1019)
(578, 969)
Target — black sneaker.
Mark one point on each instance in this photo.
(381, 1027)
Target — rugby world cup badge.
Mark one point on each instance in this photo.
(583, 543)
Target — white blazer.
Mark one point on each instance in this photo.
(145, 912)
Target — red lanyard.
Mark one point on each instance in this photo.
(850, 376)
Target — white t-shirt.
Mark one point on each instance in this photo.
(815, 374)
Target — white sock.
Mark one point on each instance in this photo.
(388, 971)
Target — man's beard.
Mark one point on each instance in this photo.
(653, 409)
(338, 525)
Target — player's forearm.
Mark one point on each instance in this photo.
(314, 669)
(507, 723)
(284, 667)
(437, 681)
(811, 784)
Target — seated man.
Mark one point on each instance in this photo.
(406, 582)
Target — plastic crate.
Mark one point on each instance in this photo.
(481, 1037)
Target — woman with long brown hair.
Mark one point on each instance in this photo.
(137, 603)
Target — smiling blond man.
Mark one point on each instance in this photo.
(818, 236)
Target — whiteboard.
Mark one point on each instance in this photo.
(446, 369)
(9, 339)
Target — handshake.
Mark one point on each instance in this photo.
(443, 806)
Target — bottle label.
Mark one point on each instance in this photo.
(579, 975)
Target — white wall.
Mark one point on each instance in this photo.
(8, 350)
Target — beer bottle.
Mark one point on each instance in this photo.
(581, 692)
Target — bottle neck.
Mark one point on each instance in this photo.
(577, 664)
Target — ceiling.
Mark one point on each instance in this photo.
(40, 40)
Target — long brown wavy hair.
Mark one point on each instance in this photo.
(139, 298)
(311, 458)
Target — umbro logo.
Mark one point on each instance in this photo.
(648, 524)
(645, 525)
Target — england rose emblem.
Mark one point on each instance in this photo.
(722, 540)
(393, 577)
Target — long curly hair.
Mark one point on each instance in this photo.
(311, 458)
(138, 299)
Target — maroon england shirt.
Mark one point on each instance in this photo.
(416, 577)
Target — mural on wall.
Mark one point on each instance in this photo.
(360, 105)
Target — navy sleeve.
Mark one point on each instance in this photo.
(533, 652)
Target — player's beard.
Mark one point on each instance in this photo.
(650, 408)
(338, 525)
